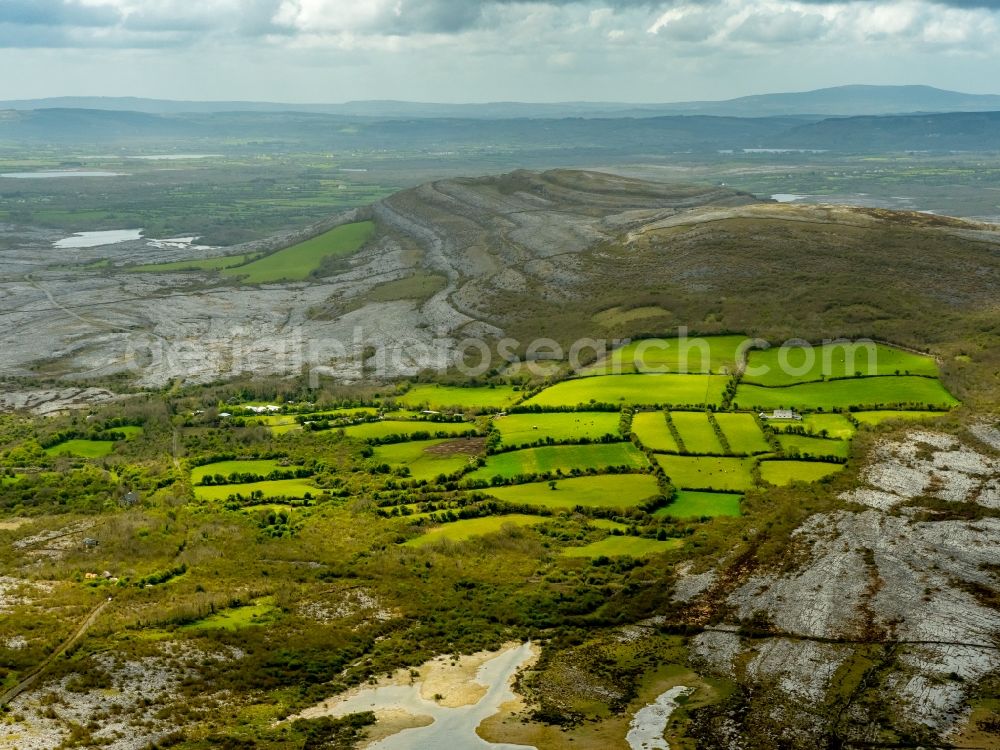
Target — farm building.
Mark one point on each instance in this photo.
(781, 414)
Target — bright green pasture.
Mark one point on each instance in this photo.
(652, 430)
(709, 472)
(201, 264)
(692, 355)
(742, 432)
(634, 390)
(383, 428)
(82, 448)
(604, 491)
(295, 263)
(817, 447)
(459, 531)
(260, 612)
(784, 473)
(261, 467)
(279, 424)
(562, 427)
(691, 504)
(788, 365)
(431, 396)
(129, 431)
(841, 394)
(619, 546)
(426, 459)
(277, 488)
(696, 432)
(836, 425)
(564, 457)
(878, 417)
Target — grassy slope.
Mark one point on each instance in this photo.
(742, 432)
(634, 390)
(841, 394)
(788, 365)
(696, 432)
(783, 473)
(608, 491)
(652, 430)
(420, 458)
(691, 504)
(693, 472)
(295, 263)
(461, 530)
(692, 355)
(564, 457)
(443, 396)
(523, 429)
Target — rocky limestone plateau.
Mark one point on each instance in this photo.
(66, 317)
(884, 615)
(522, 254)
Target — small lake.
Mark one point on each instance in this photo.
(176, 157)
(54, 173)
(787, 197)
(96, 239)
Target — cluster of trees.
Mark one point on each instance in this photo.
(247, 477)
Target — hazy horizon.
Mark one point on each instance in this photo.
(484, 51)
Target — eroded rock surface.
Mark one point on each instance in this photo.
(902, 598)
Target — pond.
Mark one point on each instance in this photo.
(53, 173)
(96, 239)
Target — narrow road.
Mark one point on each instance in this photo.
(76, 635)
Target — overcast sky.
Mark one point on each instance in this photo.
(489, 50)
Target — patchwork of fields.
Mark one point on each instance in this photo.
(674, 439)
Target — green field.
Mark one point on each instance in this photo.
(605, 491)
(259, 467)
(562, 427)
(383, 428)
(783, 473)
(694, 472)
(82, 448)
(652, 430)
(295, 263)
(836, 425)
(692, 355)
(634, 390)
(201, 264)
(841, 394)
(619, 546)
(742, 432)
(130, 431)
(438, 397)
(816, 447)
(277, 488)
(785, 366)
(459, 531)
(878, 417)
(691, 504)
(696, 432)
(260, 612)
(564, 457)
(279, 424)
(426, 459)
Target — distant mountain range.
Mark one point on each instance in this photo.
(827, 102)
(578, 139)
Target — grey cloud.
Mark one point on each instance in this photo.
(55, 13)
